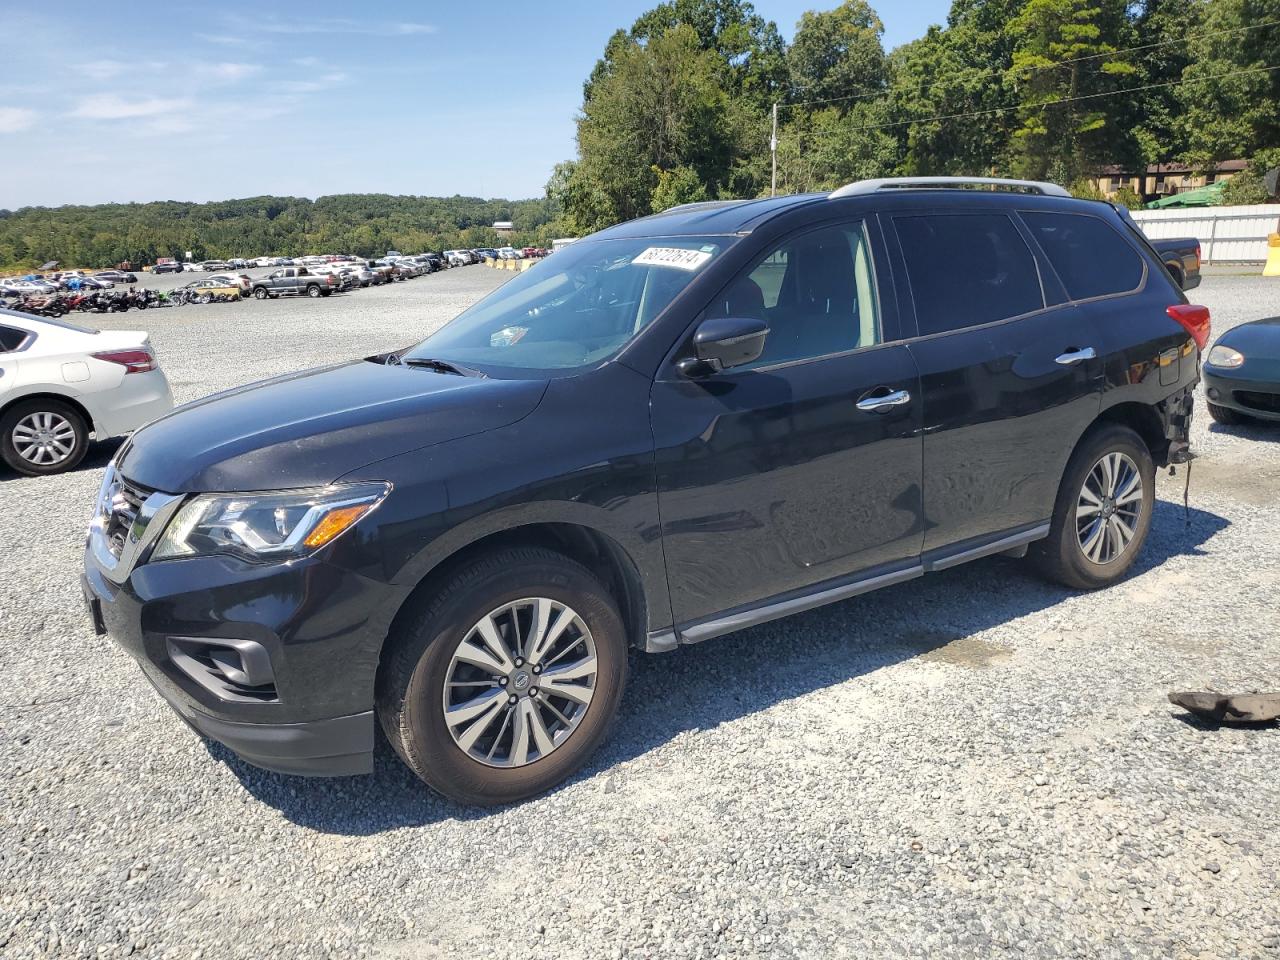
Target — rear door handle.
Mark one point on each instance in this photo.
(1072, 357)
(885, 401)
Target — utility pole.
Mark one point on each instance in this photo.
(773, 149)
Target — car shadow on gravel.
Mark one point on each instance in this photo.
(1264, 430)
(699, 687)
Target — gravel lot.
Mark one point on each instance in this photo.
(970, 765)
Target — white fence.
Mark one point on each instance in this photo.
(1226, 234)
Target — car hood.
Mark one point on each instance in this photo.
(1260, 338)
(310, 428)
(1259, 341)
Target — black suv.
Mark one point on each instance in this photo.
(668, 431)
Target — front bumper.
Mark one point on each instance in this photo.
(1255, 398)
(336, 747)
(276, 661)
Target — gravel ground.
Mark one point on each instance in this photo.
(971, 765)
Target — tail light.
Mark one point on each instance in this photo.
(1194, 319)
(133, 361)
(1199, 259)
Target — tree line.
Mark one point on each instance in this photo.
(362, 224)
(679, 107)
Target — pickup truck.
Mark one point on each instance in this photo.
(294, 281)
(1181, 257)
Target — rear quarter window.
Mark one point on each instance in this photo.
(1090, 256)
(12, 338)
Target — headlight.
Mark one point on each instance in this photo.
(266, 526)
(1221, 356)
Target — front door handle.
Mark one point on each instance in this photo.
(1072, 357)
(884, 401)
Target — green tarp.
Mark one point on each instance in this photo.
(1210, 196)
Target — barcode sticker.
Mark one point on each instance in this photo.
(677, 257)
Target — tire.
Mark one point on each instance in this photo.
(206, 298)
(1225, 415)
(261, 293)
(313, 290)
(420, 657)
(67, 425)
(1061, 557)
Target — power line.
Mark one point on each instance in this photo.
(1046, 103)
(1047, 66)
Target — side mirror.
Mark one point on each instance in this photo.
(723, 342)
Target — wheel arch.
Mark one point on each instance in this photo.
(596, 550)
(1142, 419)
(70, 401)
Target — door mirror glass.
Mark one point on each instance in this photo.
(723, 342)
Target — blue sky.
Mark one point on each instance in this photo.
(186, 101)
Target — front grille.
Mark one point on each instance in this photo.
(126, 502)
(1270, 402)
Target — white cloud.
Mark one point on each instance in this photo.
(307, 61)
(102, 69)
(108, 106)
(230, 72)
(227, 40)
(343, 25)
(325, 82)
(14, 119)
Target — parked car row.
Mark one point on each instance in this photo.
(44, 284)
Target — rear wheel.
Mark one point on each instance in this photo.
(42, 436)
(504, 683)
(1225, 415)
(313, 291)
(1103, 511)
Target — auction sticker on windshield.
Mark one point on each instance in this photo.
(677, 257)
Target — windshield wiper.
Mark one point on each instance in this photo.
(439, 366)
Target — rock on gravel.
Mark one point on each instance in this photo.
(976, 764)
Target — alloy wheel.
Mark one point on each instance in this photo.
(44, 438)
(1109, 508)
(520, 682)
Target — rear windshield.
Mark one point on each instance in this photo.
(576, 308)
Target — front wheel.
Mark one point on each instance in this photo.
(503, 683)
(1103, 511)
(261, 293)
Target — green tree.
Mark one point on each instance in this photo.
(1065, 140)
(956, 74)
(750, 52)
(1227, 117)
(675, 187)
(837, 53)
(660, 106)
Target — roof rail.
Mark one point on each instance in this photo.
(701, 205)
(948, 183)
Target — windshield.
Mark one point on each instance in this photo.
(575, 308)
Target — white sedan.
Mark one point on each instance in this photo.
(60, 382)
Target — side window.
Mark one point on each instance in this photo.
(11, 339)
(816, 291)
(967, 269)
(1092, 259)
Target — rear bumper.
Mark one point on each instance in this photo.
(140, 398)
